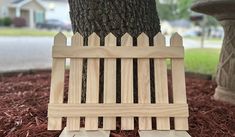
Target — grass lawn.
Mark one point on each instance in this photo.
(202, 61)
(28, 32)
(206, 39)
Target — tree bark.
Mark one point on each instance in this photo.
(118, 17)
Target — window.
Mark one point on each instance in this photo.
(4, 11)
(39, 17)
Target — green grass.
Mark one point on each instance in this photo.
(202, 61)
(28, 32)
(206, 39)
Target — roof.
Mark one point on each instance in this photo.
(17, 1)
(20, 3)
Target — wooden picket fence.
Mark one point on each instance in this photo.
(127, 109)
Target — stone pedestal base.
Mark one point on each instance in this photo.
(223, 11)
(222, 94)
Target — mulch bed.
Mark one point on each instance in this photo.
(24, 99)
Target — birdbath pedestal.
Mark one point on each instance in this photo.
(224, 12)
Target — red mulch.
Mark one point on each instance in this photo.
(24, 99)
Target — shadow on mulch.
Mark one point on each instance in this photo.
(24, 99)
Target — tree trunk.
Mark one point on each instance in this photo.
(118, 17)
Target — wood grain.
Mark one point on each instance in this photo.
(92, 92)
(109, 83)
(127, 123)
(170, 133)
(161, 83)
(178, 81)
(118, 52)
(75, 83)
(127, 110)
(57, 83)
(144, 95)
(122, 110)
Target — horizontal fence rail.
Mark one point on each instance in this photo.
(118, 52)
(110, 110)
(162, 109)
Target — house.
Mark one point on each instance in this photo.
(181, 26)
(57, 9)
(33, 11)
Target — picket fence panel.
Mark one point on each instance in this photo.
(73, 110)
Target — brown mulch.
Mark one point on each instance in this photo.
(24, 99)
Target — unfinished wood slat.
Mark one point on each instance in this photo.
(75, 83)
(178, 81)
(170, 133)
(122, 110)
(118, 52)
(161, 83)
(57, 83)
(84, 133)
(92, 92)
(127, 110)
(109, 83)
(144, 93)
(127, 123)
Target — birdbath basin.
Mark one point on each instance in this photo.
(224, 12)
(220, 9)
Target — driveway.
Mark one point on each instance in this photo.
(24, 53)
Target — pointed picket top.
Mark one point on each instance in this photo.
(60, 39)
(143, 40)
(159, 40)
(77, 39)
(94, 40)
(127, 40)
(176, 40)
(110, 40)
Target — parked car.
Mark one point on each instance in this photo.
(54, 24)
(192, 33)
(217, 32)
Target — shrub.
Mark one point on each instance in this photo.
(7, 21)
(19, 22)
(1, 22)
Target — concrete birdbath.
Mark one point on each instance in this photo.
(224, 12)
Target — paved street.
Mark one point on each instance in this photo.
(24, 53)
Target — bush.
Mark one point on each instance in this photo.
(7, 21)
(1, 22)
(19, 22)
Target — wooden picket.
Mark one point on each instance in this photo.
(57, 83)
(110, 82)
(144, 93)
(75, 83)
(92, 93)
(178, 82)
(127, 81)
(109, 110)
(161, 86)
